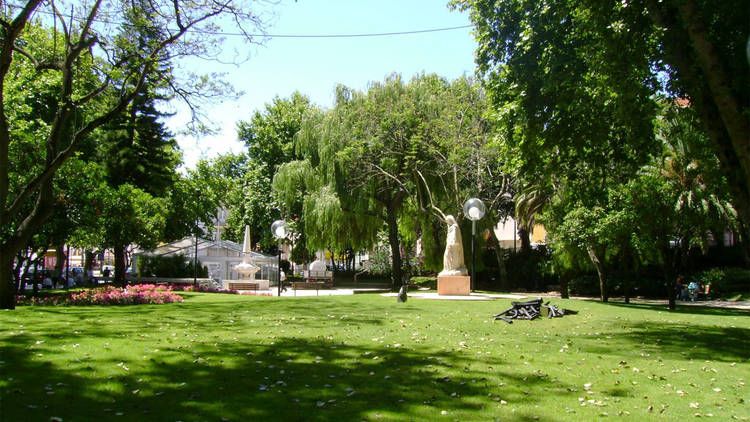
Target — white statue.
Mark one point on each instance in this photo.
(453, 258)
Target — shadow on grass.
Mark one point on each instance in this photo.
(290, 379)
(681, 309)
(205, 375)
(673, 340)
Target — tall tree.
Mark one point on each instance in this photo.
(534, 55)
(269, 136)
(392, 157)
(88, 36)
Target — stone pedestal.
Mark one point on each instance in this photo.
(454, 285)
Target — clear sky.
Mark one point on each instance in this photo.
(314, 66)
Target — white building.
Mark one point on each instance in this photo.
(219, 256)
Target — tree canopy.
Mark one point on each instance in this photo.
(575, 74)
(101, 55)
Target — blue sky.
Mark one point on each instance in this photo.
(314, 66)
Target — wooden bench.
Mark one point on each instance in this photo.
(242, 286)
(307, 285)
(325, 277)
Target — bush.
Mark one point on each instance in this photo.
(430, 282)
(724, 280)
(530, 270)
(286, 266)
(111, 296)
(584, 285)
(175, 266)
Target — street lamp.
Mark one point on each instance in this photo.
(279, 230)
(474, 209)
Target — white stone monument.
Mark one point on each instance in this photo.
(454, 279)
(247, 269)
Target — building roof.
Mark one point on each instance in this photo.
(186, 246)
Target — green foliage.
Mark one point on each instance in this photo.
(136, 148)
(576, 87)
(193, 199)
(131, 216)
(269, 135)
(429, 282)
(286, 266)
(175, 266)
(63, 87)
(724, 281)
(392, 156)
(380, 263)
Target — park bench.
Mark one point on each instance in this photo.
(307, 285)
(240, 285)
(325, 277)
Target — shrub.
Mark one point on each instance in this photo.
(584, 285)
(132, 295)
(430, 282)
(286, 266)
(206, 289)
(176, 266)
(724, 280)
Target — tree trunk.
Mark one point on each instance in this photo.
(667, 265)
(395, 244)
(743, 244)
(333, 260)
(119, 279)
(565, 278)
(21, 267)
(502, 272)
(7, 286)
(60, 257)
(89, 264)
(719, 79)
(625, 265)
(525, 237)
(708, 82)
(600, 272)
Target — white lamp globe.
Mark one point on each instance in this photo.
(279, 229)
(474, 209)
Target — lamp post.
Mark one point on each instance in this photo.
(279, 230)
(474, 209)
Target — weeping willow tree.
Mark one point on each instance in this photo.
(396, 157)
(358, 168)
(312, 185)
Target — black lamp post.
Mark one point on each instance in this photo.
(195, 262)
(279, 230)
(473, 209)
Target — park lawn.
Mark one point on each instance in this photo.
(218, 357)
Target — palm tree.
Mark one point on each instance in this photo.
(691, 170)
(530, 203)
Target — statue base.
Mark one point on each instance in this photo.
(454, 285)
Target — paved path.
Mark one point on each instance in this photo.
(322, 292)
(740, 304)
(745, 305)
(473, 296)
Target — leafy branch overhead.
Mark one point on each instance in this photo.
(100, 57)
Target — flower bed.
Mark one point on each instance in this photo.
(138, 294)
(131, 295)
(203, 289)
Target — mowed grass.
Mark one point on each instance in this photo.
(366, 357)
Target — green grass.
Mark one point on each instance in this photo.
(364, 357)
